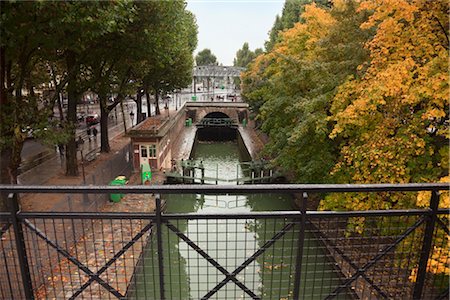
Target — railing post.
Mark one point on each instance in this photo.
(20, 244)
(426, 246)
(300, 243)
(160, 246)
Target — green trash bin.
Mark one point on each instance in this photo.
(119, 180)
(146, 174)
(190, 121)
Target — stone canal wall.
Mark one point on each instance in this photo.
(174, 139)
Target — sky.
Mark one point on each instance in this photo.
(225, 25)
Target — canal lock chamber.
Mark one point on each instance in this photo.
(217, 128)
(199, 251)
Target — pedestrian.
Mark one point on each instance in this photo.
(94, 132)
(80, 142)
(61, 149)
(89, 133)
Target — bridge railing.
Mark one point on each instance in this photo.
(296, 254)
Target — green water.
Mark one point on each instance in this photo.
(188, 275)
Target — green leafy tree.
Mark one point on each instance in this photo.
(290, 15)
(273, 33)
(26, 37)
(206, 58)
(79, 46)
(244, 56)
(108, 71)
(291, 87)
(79, 31)
(170, 67)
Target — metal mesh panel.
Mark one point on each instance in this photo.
(118, 165)
(240, 255)
(260, 253)
(87, 258)
(374, 255)
(10, 276)
(437, 279)
(195, 250)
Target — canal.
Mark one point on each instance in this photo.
(230, 242)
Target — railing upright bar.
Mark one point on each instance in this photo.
(300, 244)
(160, 246)
(426, 246)
(21, 248)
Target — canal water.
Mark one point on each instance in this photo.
(230, 242)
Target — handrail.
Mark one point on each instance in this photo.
(228, 189)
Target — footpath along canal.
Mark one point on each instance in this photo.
(230, 242)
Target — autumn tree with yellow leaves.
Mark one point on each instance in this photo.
(291, 87)
(358, 93)
(392, 123)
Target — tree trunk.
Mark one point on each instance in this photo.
(6, 154)
(72, 94)
(16, 159)
(123, 117)
(60, 109)
(139, 107)
(149, 107)
(157, 111)
(104, 113)
(5, 132)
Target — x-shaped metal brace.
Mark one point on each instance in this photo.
(361, 271)
(231, 276)
(92, 276)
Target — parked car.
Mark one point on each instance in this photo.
(92, 119)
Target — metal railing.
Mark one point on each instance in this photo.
(388, 254)
(217, 122)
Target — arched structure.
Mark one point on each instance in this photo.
(237, 111)
(217, 115)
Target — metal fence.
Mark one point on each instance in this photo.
(389, 254)
(119, 164)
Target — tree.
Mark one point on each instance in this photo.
(170, 67)
(244, 56)
(391, 122)
(26, 37)
(273, 33)
(78, 46)
(108, 71)
(290, 87)
(78, 33)
(206, 58)
(291, 14)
